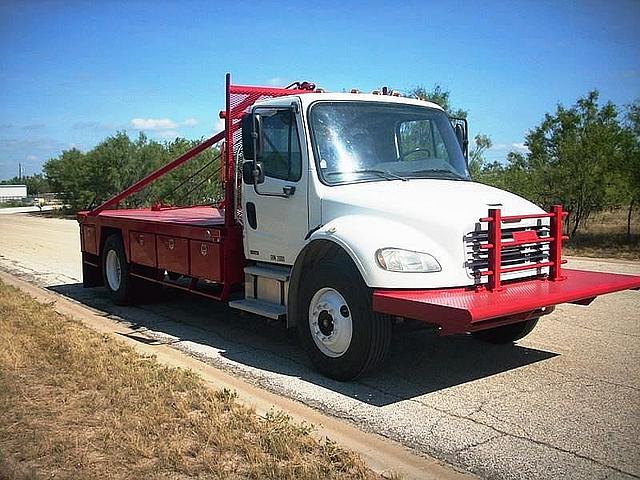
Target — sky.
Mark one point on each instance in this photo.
(74, 72)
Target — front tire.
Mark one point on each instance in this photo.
(337, 326)
(115, 271)
(506, 333)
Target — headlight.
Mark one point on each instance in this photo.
(398, 260)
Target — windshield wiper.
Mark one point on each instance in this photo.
(438, 172)
(381, 173)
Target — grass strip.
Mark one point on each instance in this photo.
(78, 404)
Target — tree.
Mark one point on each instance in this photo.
(117, 162)
(482, 143)
(439, 96)
(575, 157)
(67, 175)
(630, 165)
(442, 97)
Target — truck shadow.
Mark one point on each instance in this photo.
(420, 361)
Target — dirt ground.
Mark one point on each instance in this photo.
(562, 403)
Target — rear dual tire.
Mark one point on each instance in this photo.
(115, 271)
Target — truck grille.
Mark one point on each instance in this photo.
(478, 259)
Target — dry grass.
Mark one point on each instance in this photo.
(605, 235)
(77, 404)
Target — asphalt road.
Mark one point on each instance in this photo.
(563, 403)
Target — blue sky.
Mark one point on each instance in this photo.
(73, 72)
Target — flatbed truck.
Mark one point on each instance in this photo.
(344, 213)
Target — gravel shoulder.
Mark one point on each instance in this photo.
(564, 402)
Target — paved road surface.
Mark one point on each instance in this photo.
(32, 209)
(563, 403)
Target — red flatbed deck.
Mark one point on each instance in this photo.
(198, 216)
(459, 310)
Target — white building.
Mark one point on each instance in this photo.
(12, 192)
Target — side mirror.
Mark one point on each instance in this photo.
(250, 136)
(252, 172)
(462, 134)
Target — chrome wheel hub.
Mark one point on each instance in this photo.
(330, 322)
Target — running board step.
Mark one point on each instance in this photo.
(260, 307)
(276, 273)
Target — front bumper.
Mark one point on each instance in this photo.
(459, 310)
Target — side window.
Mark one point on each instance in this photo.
(281, 157)
(439, 147)
(420, 135)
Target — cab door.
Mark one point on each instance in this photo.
(275, 213)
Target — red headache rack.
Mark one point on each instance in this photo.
(473, 308)
(495, 245)
(239, 98)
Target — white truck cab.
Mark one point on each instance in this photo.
(383, 177)
(380, 181)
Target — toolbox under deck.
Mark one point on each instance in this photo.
(191, 241)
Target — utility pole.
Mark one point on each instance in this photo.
(20, 171)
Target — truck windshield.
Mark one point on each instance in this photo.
(366, 141)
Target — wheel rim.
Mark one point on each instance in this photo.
(114, 271)
(330, 322)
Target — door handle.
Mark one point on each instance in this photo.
(289, 190)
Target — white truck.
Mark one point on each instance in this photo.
(348, 212)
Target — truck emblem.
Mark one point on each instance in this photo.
(171, 244)
(204, 249)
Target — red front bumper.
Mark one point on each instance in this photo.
(461, 310)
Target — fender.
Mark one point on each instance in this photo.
(362, 235)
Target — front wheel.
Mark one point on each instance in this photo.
(337, 326)
(507, 333)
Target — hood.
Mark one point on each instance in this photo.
(437, 217)
(420, 200)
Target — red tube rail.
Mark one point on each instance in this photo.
(237, 99)
(495, 245)
(153, 176)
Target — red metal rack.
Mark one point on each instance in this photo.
(467, 309)
(495, 245)
(238, 100)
